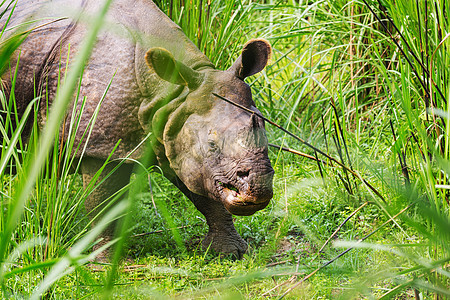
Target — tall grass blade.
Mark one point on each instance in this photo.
(36, 162)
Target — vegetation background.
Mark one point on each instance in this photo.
(361, 212)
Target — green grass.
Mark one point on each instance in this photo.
(373, 97)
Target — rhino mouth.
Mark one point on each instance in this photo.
(240, 203)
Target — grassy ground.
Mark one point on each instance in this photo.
(366, 88)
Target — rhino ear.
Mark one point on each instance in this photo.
(254, 58)
(171, 70)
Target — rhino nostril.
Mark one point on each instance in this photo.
(242, 174)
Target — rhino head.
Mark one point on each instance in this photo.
(216, 149)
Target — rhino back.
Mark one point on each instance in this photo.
(118, 56)
(34, 52)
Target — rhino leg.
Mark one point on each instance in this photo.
(95, 202)
(222, 236)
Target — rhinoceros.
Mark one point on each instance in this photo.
(162, 85)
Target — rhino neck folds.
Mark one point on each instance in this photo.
(154, 114)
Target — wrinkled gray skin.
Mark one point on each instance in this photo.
(215, 153)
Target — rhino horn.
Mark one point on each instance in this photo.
(171, 70)
(255, 55)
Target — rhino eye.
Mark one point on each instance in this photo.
(213, 146)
